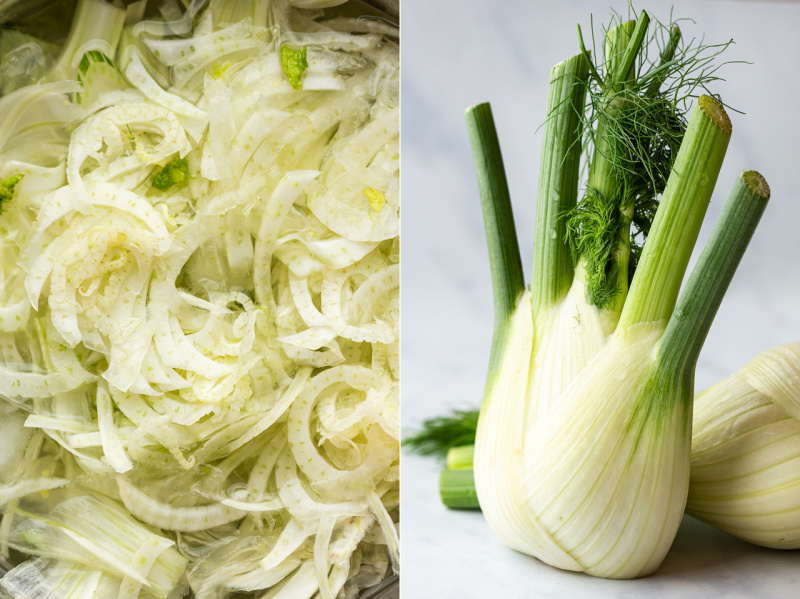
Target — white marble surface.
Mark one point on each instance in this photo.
(459, 53)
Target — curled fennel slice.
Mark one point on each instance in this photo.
(199, 306)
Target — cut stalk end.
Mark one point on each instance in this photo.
(756, 183)
(460, 458)
(716, 112)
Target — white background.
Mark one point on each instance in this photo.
(459, 53)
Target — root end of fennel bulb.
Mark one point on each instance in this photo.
(199, 307)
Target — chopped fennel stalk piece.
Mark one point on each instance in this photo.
(460, 457)
(199, 306)
(457, 489)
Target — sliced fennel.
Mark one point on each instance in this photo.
(582, 448)
(199, 305)
(103, 536)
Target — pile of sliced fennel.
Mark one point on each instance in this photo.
(199, 304)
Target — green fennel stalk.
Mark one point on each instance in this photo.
(562, 139)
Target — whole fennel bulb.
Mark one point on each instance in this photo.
(582, 447)
(745, 474)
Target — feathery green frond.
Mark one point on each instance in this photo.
(634, 126)
(437, 435)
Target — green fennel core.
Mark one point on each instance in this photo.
(7, 189)
(174, 172)
(294, 64)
